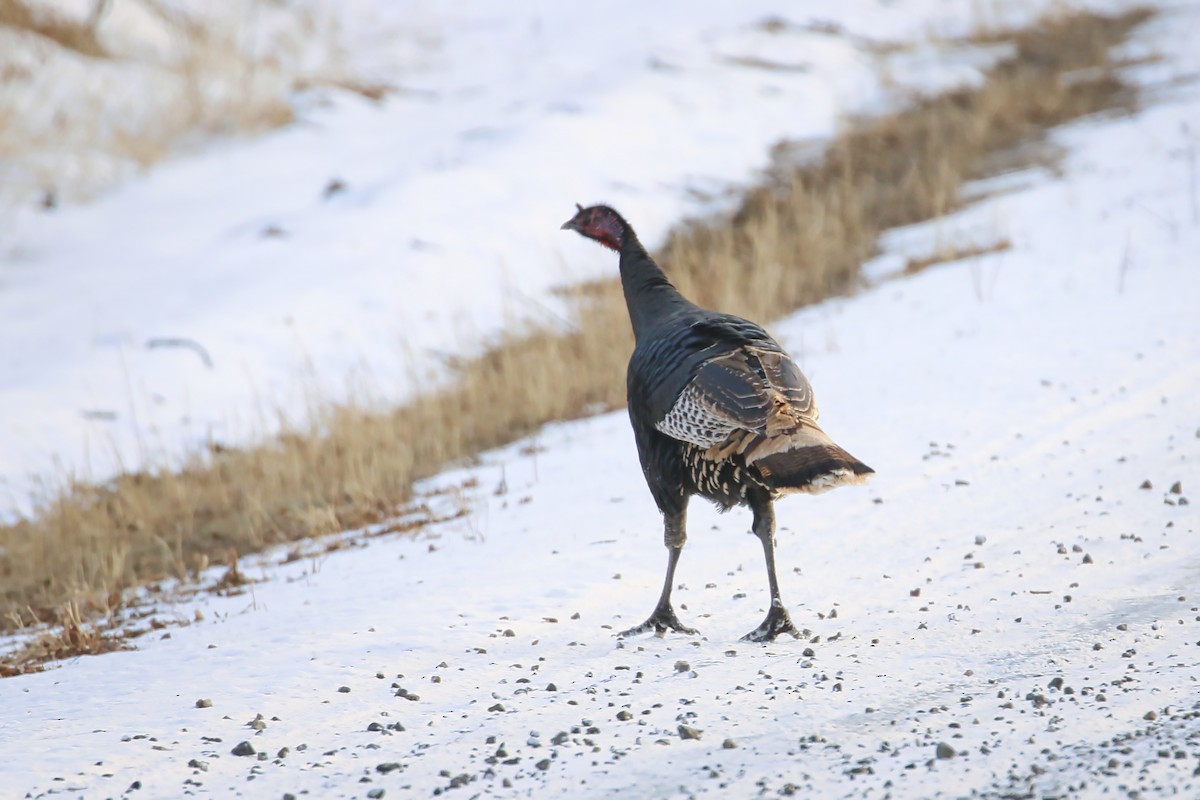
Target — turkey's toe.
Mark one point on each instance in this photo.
(662, 620)
(777, 621)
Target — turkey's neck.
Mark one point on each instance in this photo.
(649, 296)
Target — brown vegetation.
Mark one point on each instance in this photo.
(92, 92)
(795, 241)
(73, 35)
(954, 252)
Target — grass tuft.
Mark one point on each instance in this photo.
(78, 36)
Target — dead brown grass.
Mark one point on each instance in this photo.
(795, 241)
(174, 78)
(77, 36)
(954, 252)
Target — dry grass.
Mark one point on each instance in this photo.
(93, 92)
(73, 35)
(793, 242)
(948, 253)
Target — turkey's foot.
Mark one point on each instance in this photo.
(662, 620)
(776, 622)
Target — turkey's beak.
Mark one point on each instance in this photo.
(573, 223)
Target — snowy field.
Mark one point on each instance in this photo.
(367, 242)
(1009, 609)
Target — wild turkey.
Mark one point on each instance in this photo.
(718, 409)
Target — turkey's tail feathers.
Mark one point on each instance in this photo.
(812, 469)
(805, 460)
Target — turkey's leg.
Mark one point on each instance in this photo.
(663, 617)
(777, 620)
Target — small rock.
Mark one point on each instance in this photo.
(1146, 484)
(624, 715)
(204, 702)
(284, 752)
(387, 766)
(1150, 716)
(196, 763)
(729, 744)
(335, 187)
(375, 793)
(945, 751)
(244, 749)
(688, 732)
(496, 707)
(1056, 683)
(543, 765)
(344, 689)
(682, 666)
(1176, 487)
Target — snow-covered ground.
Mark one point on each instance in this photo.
(349, 248)
(1004, 593)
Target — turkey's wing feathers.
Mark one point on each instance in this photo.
(767, 360)
(754, 387)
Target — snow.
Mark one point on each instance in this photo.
(446, 229)
(1003, 586)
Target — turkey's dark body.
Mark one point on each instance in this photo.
(674, 469)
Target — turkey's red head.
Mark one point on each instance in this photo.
(600, 223)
